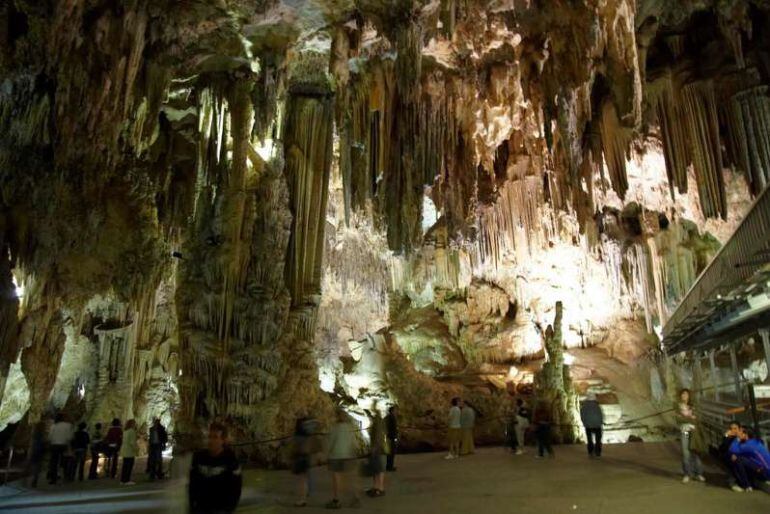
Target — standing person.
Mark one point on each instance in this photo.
(36, 453)
(455, 429)
(112, 443)
(522, 424)
(391, 431)
(692, 442)
(128, 451)
(97, 440)
(467, 424)
(302, 456)
(80, 443)
(593, 420)
(542, 421)
(157, 440)
(750, 460)
(215, 476)
(377, 453)
(59, 438)
(341, 458)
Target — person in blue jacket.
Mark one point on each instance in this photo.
(749, 459)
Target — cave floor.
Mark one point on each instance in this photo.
(629, 479)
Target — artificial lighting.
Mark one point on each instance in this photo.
(265, 150)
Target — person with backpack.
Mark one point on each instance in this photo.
(80, 442)
(157, 440)
(593, 420)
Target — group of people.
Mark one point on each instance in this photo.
(743, 455)
(341, 455)
(461, 422)
(68, 448)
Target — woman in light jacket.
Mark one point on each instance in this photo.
(692, 439)
(128, 452)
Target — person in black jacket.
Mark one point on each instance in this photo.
(733, 429)
(158, 438)
(215, 476)
(80, 442)
(391, 432)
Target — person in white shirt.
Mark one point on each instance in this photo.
(59, 438)
(455, 429)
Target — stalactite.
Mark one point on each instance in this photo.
(9, 309)
(307, 141)
(670, 115)
(615, 142)
(748, 121)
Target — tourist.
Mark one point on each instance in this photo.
(215, 476)
(692, 441)
(157, 439)
(302, 457)
(522, 416)
(391, 430)
(542, 420)
(97, 441)
(593, 419)
(36, 453)
(59, 438)
(128, 451)
(750, 461)
(80, 443)
(467, 423)
(455, 429)
(377, 453)
(112, 443)
(341, 459)
(733, 429)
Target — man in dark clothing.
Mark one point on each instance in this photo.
(724, 450)
(593, 420)
(542, 420)
(80, 443)
(215, 476)
(391, 431)
(157, 443)
(96, 448)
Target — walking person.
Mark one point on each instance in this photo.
(593, 420)
(80, 442)
(215, 476)
(692, 441)
(391, 432)
(97, 441)
(377, 454)
(157, 440)
(112, 443)
(59, 438)
(128, 451)
(36, 453)
(522, 417)
(467, 424)
(341, 459)
(542, 420)
(302, 458)
(455, 429)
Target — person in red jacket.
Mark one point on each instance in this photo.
(112, 444)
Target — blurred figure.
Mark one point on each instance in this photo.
(215, 476)
(36, 453)
(732, 432)
(692, 440)
(391, 432)
(157, 440)
(112, 444)
(454, 431)
(467, 424)
(593, 420)
(522, 424)
(128, 451)
(377, 453)
(750, 460)
(542, 421)
(97, 440)
(304, 446)
(59, 438)
(341, 459)
(80, 443)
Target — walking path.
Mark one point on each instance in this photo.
(639, 478)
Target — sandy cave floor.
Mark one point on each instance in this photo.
(629, 479)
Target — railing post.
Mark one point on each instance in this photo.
(764, 333)
(736, 372)
(697, 373)
(714, 377)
